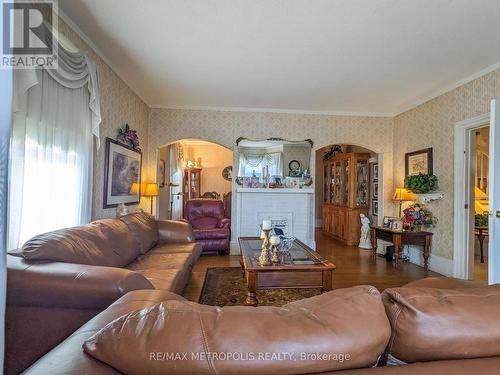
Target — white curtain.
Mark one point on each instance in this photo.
(176, 176)
(250, 163)
(56, 113)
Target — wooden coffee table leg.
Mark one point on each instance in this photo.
(252, 289)
(327, 280)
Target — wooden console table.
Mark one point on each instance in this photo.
(399, 239)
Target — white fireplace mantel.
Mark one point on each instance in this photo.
(291, 208)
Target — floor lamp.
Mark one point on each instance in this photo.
(151, 191)
(172, 185)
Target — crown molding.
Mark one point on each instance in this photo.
(273, 110)
(449, 88)
(96, 49)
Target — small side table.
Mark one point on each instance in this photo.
(481, 233)
(399, 239)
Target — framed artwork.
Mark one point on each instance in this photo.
(375, 171)
(375, 190)
(227, 173)
(375, 207)
(388, 220)
(397, 225)
(161, 173)
(122, 174)
(418, 162)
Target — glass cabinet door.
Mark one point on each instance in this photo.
(345, 195)
(332, 183)
(362, 182)
(325, 182)
(338, 183)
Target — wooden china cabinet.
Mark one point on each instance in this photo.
(345, 195)
(192, 183)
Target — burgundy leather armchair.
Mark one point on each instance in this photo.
(211, 229)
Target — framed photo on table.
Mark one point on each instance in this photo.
(397, 225)
(419, 162)
(122, 174)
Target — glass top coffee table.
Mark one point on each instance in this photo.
(303, 268)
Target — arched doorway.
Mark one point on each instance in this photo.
(192, 168)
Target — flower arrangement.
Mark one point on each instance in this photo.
(129, 137)
(421, 183)
(418, 215)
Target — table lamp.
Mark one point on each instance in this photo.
(151, 191)
(402, 195)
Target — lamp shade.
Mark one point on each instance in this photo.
(402, 194)
(151, 190)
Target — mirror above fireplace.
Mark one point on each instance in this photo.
(274, 162)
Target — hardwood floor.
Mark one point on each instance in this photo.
(354, 267)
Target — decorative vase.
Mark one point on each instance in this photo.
(416, 228)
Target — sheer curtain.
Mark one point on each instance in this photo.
(56, 114)
(176, 176)
(250, 163)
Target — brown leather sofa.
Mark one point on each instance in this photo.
(60, 280)
(350, 320)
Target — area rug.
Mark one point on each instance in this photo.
(225, 286)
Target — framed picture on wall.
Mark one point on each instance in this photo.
(418, 162)
(375, 172)
(375, 190)
(122, 174)
(161, 173)
(375, 207)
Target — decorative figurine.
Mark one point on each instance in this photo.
(364, 241)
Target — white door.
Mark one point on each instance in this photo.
(494, 195)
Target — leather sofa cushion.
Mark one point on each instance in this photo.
(211, 234)
(173, 280)
(193, 249)
(105, 242)
(444, 283)
(345, 322)
(160, 261)
(144, 228)
(430, 324)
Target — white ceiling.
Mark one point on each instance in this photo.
(345, 56)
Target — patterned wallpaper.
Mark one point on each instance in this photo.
(224, 127)
(119, 105)
(432, 125)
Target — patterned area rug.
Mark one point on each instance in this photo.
(226, 286)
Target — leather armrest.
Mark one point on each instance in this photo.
(68, 285)
(170, 231)
(224, 223)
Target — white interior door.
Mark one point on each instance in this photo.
(494, 195)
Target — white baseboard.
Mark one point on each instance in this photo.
(437, 264)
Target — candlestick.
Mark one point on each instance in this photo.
(264, 255)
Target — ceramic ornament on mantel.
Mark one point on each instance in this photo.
(364, 240)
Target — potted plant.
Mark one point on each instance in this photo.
(421, 183)
(417, 216)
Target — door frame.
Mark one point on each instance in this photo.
(463, 237)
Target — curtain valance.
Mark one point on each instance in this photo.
(75, 70)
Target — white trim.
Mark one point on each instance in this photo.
(96, 49)
(449, 88)
(272, 110)
(494, 195)
(462, 218)
(438, 264)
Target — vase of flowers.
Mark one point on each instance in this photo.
(417, 215)
(129, 137)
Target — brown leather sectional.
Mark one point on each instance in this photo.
(427, 324)
(60, 280)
